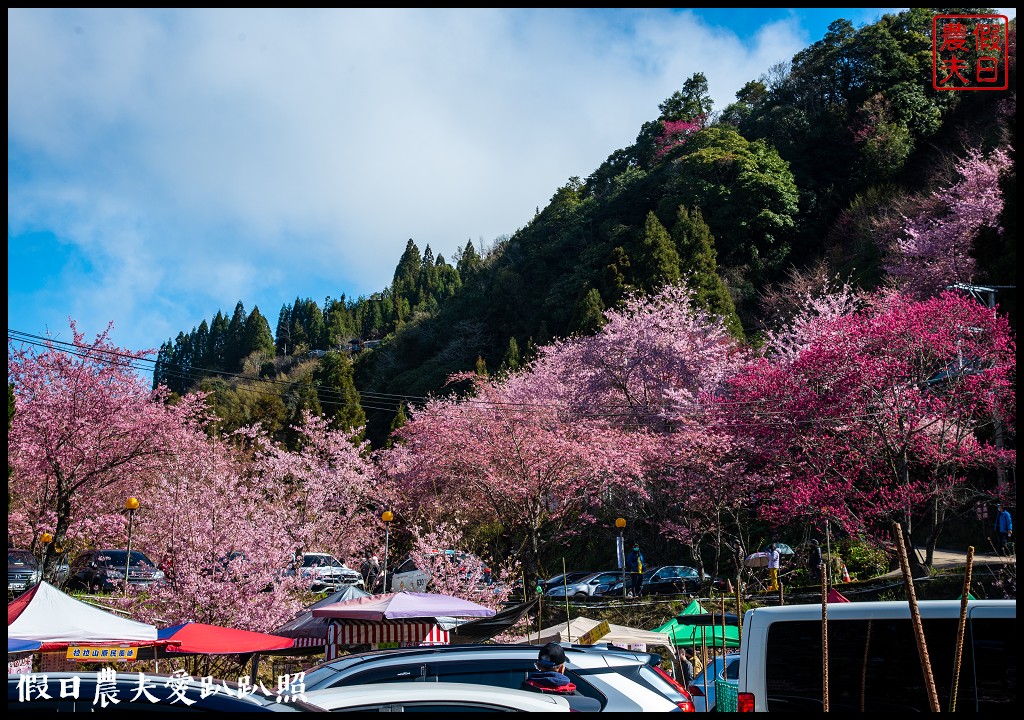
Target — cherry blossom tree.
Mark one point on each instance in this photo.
(328, 487)
(86, 424)
(934, 249)
(879, 414)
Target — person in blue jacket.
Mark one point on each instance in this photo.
(635, 568)
(1004, 529)
(550, 676)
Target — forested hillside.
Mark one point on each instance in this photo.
(843, 163)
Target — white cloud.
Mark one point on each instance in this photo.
(197, 157)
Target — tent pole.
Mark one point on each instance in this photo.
(568, 628)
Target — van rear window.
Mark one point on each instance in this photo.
(874, 665)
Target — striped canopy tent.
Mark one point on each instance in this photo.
(382, 634)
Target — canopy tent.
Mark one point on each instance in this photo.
(834, 596)
(483, 629)
(372, 632)
(309, 631)
(400, 605)
(200, 638)
(55, 619)
(617, 634)
(19, 646)
(694, 627)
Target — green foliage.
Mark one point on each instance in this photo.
(693, 101)
(863, 559)
(339, 399)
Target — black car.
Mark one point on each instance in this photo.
(664, 580)
(22, 571)
(142, 693)
(103, 570)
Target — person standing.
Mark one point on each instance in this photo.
(774, 558)
(815, 563)
(635, 568)
(1004, 529)
(686, 666)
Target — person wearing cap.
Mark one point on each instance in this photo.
(814, 563)
(1004, 528)
(635, 568)
(549, 676)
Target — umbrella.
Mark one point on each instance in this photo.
(404, 604)
(216, 640)
(756, 560)
(783, 549)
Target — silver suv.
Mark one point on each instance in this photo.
(619, 680)
(327, 573)
(22, 571)
(587, 586)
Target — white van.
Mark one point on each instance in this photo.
(873, 658)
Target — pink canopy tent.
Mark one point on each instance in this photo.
(405, 604)
(834, 596)
(55, 619)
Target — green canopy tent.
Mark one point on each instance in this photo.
(695, 626)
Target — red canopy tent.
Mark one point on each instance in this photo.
(200, 638)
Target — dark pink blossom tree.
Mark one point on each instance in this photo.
(881, 415)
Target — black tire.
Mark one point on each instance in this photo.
(581, 595)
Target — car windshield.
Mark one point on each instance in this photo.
(320, 561)
(116, 558)
(20, 557)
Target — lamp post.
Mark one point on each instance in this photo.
(387, 516)
(131, 505)
(44, 539)
(620, 551)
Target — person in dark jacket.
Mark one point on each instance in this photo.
(635, 568)
(550, 676)
(815, 563)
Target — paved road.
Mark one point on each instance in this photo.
(946, 559)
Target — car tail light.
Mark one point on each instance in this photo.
(745, 702)
(686, 704)
(695, 690)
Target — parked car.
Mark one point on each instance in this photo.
(435, 697)
(872, 647)
(727, 670)
(22, 571)
(620, 680)
(586, 586)
(103, 570)
(408, 576)
(664, 580)
(327, 573)
(566, 578)
(86, 692)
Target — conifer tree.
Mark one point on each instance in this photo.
(512, 360)
(257, 336)
(235, 339)
(589, 315)
(660, 259)
(283, 336)
(339, 398)
(697, 255)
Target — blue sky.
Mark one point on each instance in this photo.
(164, 164)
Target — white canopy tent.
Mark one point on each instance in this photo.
(617, 635)
(47, 615)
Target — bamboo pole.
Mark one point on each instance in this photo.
(864, 669)
(915, 619)
(824, 644)
(961, 629)
(568, 625)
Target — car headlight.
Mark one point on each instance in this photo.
(158, 575)
(115, 574)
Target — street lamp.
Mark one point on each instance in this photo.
(44, 539)
(131, 505)
(387, 516)
(620, 551)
